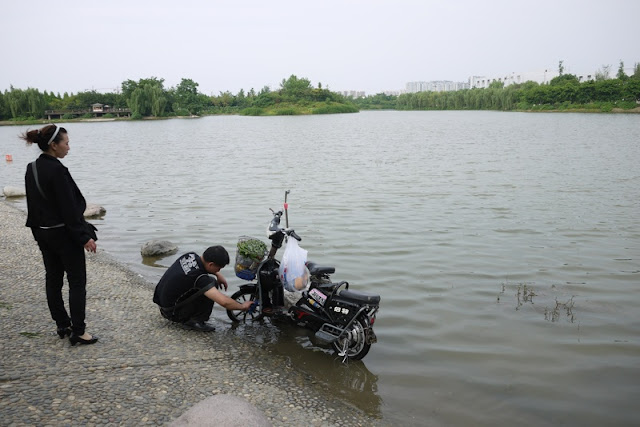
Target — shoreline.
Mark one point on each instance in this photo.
(144, 369)
(635, 110)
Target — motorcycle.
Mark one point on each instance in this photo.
(340, 318)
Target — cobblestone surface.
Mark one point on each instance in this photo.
(144, 370)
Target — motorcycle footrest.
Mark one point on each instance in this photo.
(328, 333)
(325, 337)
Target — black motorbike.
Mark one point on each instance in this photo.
(340, 318)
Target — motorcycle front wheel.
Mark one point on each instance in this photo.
(242, 316)
(353, 344)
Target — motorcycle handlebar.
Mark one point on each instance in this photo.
(274, 226)
(293, 234)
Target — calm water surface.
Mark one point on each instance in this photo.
(505, 246)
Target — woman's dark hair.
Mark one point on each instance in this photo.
(217, 255)
(42, 136)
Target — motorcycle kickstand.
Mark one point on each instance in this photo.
(345, 348)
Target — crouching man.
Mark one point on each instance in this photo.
(186, 292)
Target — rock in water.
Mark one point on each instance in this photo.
(9, 191)
(157, 248)
(94, 211)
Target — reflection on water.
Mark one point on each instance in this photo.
(351, 381)
(154, 261)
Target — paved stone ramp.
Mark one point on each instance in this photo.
(144, 370)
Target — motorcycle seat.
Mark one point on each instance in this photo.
(360, 297)
(315, 269)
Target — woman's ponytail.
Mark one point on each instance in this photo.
(42, 136)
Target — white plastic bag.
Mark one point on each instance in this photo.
(293, 271)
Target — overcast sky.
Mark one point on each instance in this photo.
(369, 45)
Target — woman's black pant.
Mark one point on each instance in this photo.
(61, 254)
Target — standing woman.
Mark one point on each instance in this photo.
(55, 214)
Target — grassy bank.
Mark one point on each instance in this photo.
(290, 109)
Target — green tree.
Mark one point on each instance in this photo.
(295, 88)
(621, 74)
(17, 102)
(145, 97)
(603, 73)
(186, 97)
(158, 101)
(241, 100)
(564, 79)
(4, 109)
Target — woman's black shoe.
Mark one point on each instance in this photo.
(63, 332)
(75, 339)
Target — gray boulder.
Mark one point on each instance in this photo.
(157, 248)
(94, 211)
(10, 191)
(222, 410)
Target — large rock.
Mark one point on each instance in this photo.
(222, 410)
(9, 191)
(157, 248)
(94, 211)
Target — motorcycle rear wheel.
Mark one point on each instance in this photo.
(242, 316)
(354, 344)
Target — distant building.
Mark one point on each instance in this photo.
(541, 77)
(353, 94)
(436, 86)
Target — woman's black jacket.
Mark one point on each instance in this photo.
(64, 203)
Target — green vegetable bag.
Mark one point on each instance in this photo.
(250, 253)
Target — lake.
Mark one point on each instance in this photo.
(505, 246)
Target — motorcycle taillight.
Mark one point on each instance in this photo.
(373, 320)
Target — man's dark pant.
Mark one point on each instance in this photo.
(61, 254)
(197, 311)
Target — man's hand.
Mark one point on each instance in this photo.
(247, 305)
(221, 281)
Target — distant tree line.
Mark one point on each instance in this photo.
(561, 93)
(148, 97)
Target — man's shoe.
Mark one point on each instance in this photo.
(199, 326)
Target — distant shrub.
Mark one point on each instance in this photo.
(182, 112)
(566, 105)
(108, 116)
(606, 107)
(136, 116)
(285, 112)
(68, 116)
(87, 116)
(627, 105)
(335, 109)
(252, 111)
